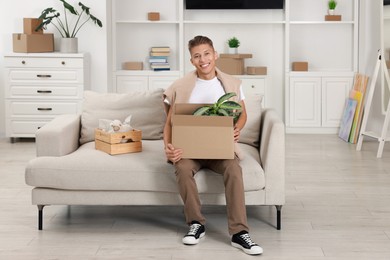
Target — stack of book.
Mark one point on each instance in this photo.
(159, 58)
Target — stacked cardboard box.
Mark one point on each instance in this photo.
(31, 40)
(233, 64)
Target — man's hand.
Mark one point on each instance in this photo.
(174, 155)
(236, 134)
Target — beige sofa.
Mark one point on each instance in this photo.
(68, 170)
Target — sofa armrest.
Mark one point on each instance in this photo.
(59, 137)
(272, 156)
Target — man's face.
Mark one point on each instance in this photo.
(203, 58)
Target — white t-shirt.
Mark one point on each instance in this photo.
(209, 91)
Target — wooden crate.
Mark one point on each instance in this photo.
(111, 143)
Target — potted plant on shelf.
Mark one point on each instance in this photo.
(233, 44)
(65, 27)
(332, 6)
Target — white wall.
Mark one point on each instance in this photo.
(92, 39)
(369, 44)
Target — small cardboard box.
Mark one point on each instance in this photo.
(30, 24)
(332, 17)
(33, 42)
(112, 143)
(202, 137)
(153, 16)
(300, 66)
(233, 64)
(256, 70)
(133, 65)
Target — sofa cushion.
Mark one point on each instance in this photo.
(90, 169)
(251, 132)
(150, 119)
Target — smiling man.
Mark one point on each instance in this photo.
(205, 85)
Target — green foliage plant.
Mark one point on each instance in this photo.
(52, 16)
(223, 107)
(233, 42)
(332, 4)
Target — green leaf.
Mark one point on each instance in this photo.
(201, 111)
(223, 112)
(96, 21)
(69, 7)
(226, 97)
(84, 8)
(231, 105)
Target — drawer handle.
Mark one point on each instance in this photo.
(23, 62)
(44, 109)
(253, 86)
(63, 62)
(43, 76)
(44, 91)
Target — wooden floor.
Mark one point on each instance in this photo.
(338, 207)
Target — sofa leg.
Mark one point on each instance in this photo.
(40, 216)
(278, 217)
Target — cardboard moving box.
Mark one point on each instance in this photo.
(133, 65)
(332, 17)
(202, 137)
(300, 66)
(233, 64)
(33, 42)
(30, 24)
(154, 16)
(256, 70)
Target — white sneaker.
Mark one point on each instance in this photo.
(196, 232)
(243, 241)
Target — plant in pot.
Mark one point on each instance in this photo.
(67, 29)
(233, 44)
(223, 107)
(332, 6)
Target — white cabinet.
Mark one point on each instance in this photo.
(127, 81)
(39, 87)
(316, 103)
(254, 85)
(305, 102)
(315, 99)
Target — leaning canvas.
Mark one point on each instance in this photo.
(347, 119)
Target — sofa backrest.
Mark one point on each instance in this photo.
(148, 114)
(145, 107)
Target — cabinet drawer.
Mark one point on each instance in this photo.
(24, 128)
(125, 84)
(42, 76)
(31, 91)
(46, 62)
(253, 86)
(41, 108)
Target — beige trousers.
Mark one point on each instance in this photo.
(234, 190)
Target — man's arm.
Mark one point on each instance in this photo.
(240, 122)
(171, 152)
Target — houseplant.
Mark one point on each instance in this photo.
(223, 107)
(233, 44)
(332, 6)
(67, 28)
